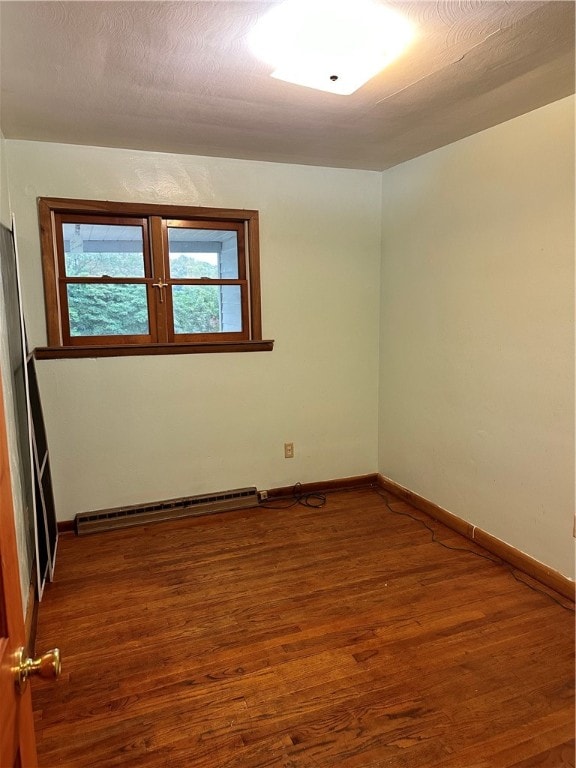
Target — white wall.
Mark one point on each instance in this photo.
(22, 537)
(5, 215)
(125, 430)
(477, 331)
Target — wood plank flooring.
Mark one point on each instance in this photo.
(300, 638)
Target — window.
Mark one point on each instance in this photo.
(123, 278)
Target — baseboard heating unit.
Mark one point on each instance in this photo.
(142, 514)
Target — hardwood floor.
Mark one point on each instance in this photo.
(300, 638)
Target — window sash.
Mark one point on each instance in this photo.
(70, 339)
(240, 281)
(102, 221)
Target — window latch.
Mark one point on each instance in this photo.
(160, 284)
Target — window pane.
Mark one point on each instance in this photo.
(107, 310)
(206, 308)
(198, 253)
(103, 250)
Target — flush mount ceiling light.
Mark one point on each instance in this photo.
(331, 45)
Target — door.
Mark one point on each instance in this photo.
(17, 740)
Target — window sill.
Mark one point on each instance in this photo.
(105, 350)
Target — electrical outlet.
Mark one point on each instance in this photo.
(288, 450)
(262, 495)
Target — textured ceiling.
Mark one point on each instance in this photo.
(179, 77)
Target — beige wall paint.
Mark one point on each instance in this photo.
(5, 217)
(477, 331)
(25, 546)
(126, 430)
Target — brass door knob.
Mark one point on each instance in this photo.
(46, 666)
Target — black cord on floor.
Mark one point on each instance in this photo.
(311, 500)
(496, 561)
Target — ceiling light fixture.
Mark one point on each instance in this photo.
(330, 45)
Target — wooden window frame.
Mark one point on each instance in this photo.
(155, 221)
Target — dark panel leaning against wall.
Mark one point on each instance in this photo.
(11, 309)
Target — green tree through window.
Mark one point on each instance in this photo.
(110, 309)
